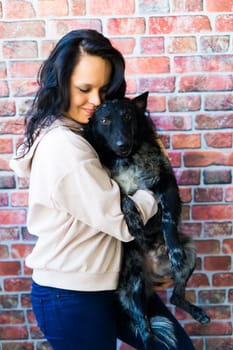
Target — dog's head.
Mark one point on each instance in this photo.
(115, 127)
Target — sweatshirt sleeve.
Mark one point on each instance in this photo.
(91, 196)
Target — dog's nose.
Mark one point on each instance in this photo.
(123, 147)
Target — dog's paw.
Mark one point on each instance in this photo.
(177, 258)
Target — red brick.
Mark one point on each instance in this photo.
(175, 159)
(19, 199)
(11, 127)
(156, 103)
(78, 7)
(6, 145)
(9, 301)
(19, 251)
(24, 88)
(192, 229)
(179, 24)
(3, 73)
(223, 279)
(46, 46)
(131, 86)
(19, 345)
(20, 49)
(4, 165)
(17, 284)
(207, 246)
(217, 176)
(185, 194)
(217, 229)
(217, 263)
(13, 332)
(7, 182)
(19, 9)
(58, 28)
(4, 253)
(4, 89)
(219, 6)
(224, 23)
(150, 6)
(215, 296)
(125, 45)
(7, 108)
(182, 45)
(206, 158)
(214, 121)
(9, 234)
(219, 139)
(145, 65)
(152, 45)
(227, 246)
(187, 177)
(212, 212)
(23, 69)
(124, 346)
(187, 6)
(218, 102)
(219, 343)
(205, 83)
(186, 140)
(213, 328)
(198, 343)
(4, 199)
(157, 84)
(184, 103)
(11, 317)
(173, 122)
(21, 29)
(229, 194)
(12, 217)
(47, 8)
(213, 44)
(108, 8)
(213, 194)
(205, 63)
(10, 268)
(126, 26)
(198, 280)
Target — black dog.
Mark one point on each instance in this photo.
(125, 139)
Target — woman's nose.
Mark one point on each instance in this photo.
(95, 99)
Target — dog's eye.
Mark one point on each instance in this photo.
(127, 117)
(105, 121)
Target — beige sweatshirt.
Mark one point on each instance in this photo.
(74, 209)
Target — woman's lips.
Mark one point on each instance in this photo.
(89, 111)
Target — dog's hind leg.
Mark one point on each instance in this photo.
(178, 299)
(180, 282)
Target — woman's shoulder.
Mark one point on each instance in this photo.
(61, 139)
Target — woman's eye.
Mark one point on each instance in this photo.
(83, 90)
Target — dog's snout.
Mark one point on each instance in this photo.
(123, 147)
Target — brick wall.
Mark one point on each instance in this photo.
(179, 50)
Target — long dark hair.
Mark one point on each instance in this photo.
(52, 98)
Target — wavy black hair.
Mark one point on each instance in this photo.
(52, 98)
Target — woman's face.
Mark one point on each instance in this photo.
(88, 85)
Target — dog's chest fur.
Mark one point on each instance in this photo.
(138, 171)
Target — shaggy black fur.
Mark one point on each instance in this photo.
(125, 138)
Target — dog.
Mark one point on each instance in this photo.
(127, 143)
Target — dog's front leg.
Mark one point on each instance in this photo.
(171, 209)
(132, 218)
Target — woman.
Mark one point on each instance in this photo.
(74, 206)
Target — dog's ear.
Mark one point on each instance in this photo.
(141, 100)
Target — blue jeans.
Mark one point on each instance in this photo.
(72, 320)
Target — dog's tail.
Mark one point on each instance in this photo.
(163, 331)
